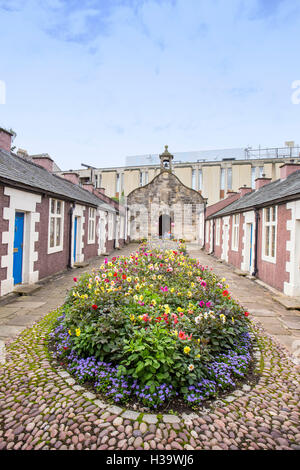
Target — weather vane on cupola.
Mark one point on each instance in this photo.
(166, 159)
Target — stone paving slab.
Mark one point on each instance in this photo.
(292, 322)
(41, 407)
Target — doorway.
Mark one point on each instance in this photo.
(18, 248)
(164, 226)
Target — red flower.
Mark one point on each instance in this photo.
(225, 293)
(124, 276)
(246, 314)
(75, 279)
(115, 274)
(95, 307)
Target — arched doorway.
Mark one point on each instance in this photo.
(165, 226)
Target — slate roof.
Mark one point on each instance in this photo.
(23, 172)
(270, 193)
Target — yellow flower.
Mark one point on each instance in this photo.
(141, 297)
(89, 286)
(69, 331)
(129, 279)
(192, 284)
(132, 317)
(172, 289)
(153, 302)
(175, 332)
(77, 331)
(159, 277)
(179, 309)
(223, 279)
(186, 350)
(189, 294)
(110, 274)
(198, 356)
(232, 319)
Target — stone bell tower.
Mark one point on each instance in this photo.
(166, 160)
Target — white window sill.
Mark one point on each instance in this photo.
(268, 259)
(54, 249)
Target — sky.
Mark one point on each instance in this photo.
(92, 82)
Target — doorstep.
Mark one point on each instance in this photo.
(26, 289)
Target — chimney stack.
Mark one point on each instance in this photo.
(71, 176)
(5, 139)
(245, 190)
(43, 160)
(23, 154)
(288, 168)
(89, 187)
(260, 182)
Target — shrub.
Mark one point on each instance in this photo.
(152, 325)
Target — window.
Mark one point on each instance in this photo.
(269, 234)
(122, 182)
(222, 182)
(110, 226)
(98, 180)
(200, 180)
(253, 176)
(143, 178)
(118, 183)
(218, 229)
(235, 232)
(193, 179)
(92, 225)
(229, 178)
(56, 220)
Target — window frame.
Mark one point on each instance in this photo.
(269, 226)
(218, 231)
(235, 232)
(56, 216)
(92, 213)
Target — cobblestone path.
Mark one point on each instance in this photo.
(41, 407)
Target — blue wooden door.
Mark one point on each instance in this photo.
(75, 238)
(18, 248)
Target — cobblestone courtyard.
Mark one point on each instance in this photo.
(42, 407)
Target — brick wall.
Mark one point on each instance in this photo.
(275, 274)
(235, 257)
(48, 264)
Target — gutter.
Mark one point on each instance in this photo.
(256, 242)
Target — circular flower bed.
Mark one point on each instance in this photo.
(153, 328)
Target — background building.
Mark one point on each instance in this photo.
(213, 173)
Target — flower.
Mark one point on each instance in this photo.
(225, 293)
(75, 279)
(246, 314)
(186, 350)
(77, 331)
(95, 306)
(191, 367)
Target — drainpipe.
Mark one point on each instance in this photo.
(256, 242)
(213, 239)
(70, 234)
(204, 223)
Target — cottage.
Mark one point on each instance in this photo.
(48, 223)
(258, 231)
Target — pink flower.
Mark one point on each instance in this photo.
(208, 304)
(75, 279)
(203, 283)
(201, 303)
(105, 261)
